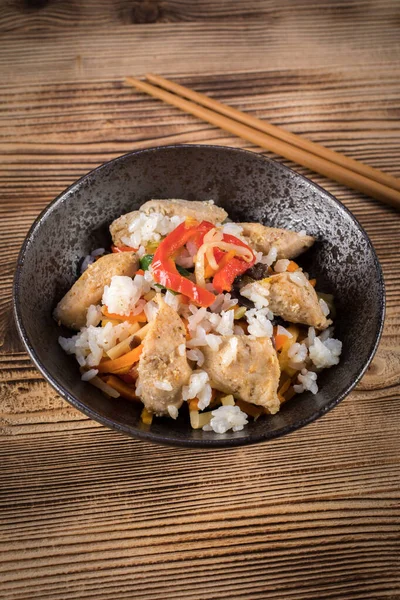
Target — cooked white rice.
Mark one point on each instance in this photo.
(88, 345)
(297, 354)
(163, 385)
(199, 387)
(281, 265)
(88, 375)
(325, 354)
(324, 307)
(88, 260)
(150, 310)
(123, 293)
(196, 356)
(225, 418)
(172, 411)
(298, 278)
(230, 352)
(259, 324)
(233, 229)
(257, 293)
(307, 381)
(145, 229)
(93, 316)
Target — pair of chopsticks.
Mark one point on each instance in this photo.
(333, 165)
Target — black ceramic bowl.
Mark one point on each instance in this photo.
(251, 188)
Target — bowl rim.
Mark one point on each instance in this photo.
(148, 435)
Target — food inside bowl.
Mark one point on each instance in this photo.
(191, 312)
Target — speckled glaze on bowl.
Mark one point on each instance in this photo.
(251, 188)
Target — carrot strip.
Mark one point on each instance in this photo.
(194, 404)
(292, 267)
(279, 339)
(250, 409)
(140, 318)
(125, 390)
(123, 362)
(313, 282)
(285, 387)
(289, 394)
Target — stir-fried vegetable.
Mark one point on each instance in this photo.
(226, 257)
(125, 390)
(139, 318)
(164, 268)
(122, 248)
(122, 364)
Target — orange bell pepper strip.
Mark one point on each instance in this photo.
(123, 362)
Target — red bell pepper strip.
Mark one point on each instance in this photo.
(225, 276)
(164, 268)
(122, 248)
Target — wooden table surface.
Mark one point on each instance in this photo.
(88, 513)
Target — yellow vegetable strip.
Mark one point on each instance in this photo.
(228, 400)
(198, 420)
(146, 417)
(123, 347)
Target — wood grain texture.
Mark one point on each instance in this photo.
(87, 513)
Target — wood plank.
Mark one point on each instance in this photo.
(17, 15)
(87, 513)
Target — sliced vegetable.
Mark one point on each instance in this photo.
(146, 261)
(193, 404)
(283, 354)
(198, 420)
(125, 390)
(228, 400)
(124, 346)
(280, 339)
(142, 332)
(250, 409)
(104, 387)
(121, 364)
(224, 277)
(122, 248)
(239, 312)
(112, 321)
(146, 417)
(165, 271)
(230, 268)
(140, 318)
(292, 267)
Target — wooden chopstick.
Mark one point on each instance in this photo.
(332, 170)
(278, 132)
